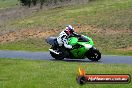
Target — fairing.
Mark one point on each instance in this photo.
(80, 52)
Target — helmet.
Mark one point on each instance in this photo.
(69, 29)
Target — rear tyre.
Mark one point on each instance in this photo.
(93, 54)
(56, 56)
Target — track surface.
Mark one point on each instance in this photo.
(46, 56)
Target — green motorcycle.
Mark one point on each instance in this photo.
(83, 47)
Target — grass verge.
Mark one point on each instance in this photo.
(54, 74)
(30, 44)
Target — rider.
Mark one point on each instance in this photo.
(63, 36)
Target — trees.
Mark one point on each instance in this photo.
(25, 2)
(46, 2)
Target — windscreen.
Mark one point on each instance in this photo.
(83, 39)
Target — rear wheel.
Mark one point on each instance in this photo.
(93, 54)
(56, 56)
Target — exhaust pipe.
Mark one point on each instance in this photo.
(51, 50)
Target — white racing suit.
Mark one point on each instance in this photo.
(63, 40)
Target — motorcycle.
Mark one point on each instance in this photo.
(83, 47)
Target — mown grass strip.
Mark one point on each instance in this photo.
(55, 74)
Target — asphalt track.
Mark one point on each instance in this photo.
(106, 59)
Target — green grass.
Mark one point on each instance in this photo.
(54, 74)
(101, 13)
(26, 45)
(8, 3)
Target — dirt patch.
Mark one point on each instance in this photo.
(42, 33)
(23, 34)
(95, 30)
(126, 49)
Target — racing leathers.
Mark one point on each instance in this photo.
(63, 39)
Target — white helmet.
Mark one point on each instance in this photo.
(69, 29)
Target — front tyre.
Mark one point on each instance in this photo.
(93, 54)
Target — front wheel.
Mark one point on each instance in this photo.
(93, 54)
